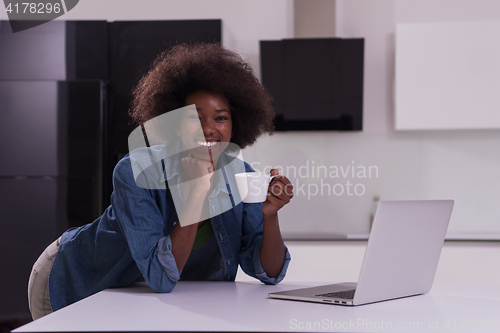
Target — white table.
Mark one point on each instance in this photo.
(243, 306)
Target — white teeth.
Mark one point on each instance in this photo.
(206, 144)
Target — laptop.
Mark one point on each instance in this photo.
(401, 256)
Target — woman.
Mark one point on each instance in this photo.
(163, 235)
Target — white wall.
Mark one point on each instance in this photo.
(461, 165)
(412, 164)
(461, 262)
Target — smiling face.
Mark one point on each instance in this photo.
(214, 115)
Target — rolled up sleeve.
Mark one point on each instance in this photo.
(261, 273)
(166, 258)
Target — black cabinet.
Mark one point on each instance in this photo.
(64, 97)
(317, 83)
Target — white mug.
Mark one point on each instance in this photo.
(253, 186)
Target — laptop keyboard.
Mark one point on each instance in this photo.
(346, 294)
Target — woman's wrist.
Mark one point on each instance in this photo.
(270, 216)
(201, 185)
(271, 222)
(197, 195)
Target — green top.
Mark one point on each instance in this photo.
(203, 235)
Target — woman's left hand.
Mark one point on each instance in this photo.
(280, 193)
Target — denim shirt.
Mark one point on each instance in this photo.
(131, 241)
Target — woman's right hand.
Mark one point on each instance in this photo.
(198, 173)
